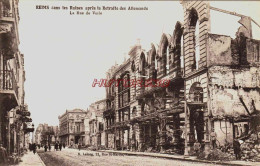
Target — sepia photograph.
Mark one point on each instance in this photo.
(129, 83)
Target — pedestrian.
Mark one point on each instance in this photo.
(60, 146)
(79, 146)
(56, 146)
(197, 147)
(49, 147)
(236, 146)
(30, 146)
(3, 155)
(45, 148)
(63, 145)
(34, 148)
(213, 136)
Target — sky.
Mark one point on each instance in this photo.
(64, 53)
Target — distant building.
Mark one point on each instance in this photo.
(72, 128)
(46, 134)
(96, 123)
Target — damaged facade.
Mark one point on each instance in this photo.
(213, 90)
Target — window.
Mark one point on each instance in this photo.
(197, 45)
(124, 91)
(167, 60)
(194, 28)
(196, 93)
(182, 53)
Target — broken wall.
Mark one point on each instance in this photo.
(219, 50)
(224, 132)
(228, 85)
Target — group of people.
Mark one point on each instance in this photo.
(32, 147)
(57, 146)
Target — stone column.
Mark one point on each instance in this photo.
(189, 132)
(176, 131)
(139, 136)
(206, 131)
(162, 134)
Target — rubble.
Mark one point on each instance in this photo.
(217, 154)
(250, 148)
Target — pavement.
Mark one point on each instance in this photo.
(30, 159)
(184, 158)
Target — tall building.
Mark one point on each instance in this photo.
(13, 111)
(96, 123)
(210, 94)
(72, 127)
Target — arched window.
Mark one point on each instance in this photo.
(134, 112)
(167, 60)
(196, 93)
(124, 90)
(164, 54)
(194, 28)
(197, 45)
(177, 56)
(182, 53)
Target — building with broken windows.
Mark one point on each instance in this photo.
(213, 92)
(14, 114)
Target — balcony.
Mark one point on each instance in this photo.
(5, 14)
(8, 83)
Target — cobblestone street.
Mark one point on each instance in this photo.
(68, 157)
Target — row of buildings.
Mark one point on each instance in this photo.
(213, 91)
(15, 121)
(85, 127)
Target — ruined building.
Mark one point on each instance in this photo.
(213, 89)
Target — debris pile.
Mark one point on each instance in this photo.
(250, 149)
(215, 155)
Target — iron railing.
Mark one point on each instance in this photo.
(7, 81)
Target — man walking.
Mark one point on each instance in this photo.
(45, 148)
(213, 136)
(49, 147)
(56, 146)
(60, 146)
(34, 148)
(236, 146)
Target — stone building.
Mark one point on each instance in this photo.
(109, 113)
(72, 127)
(221, 78)
(13, 111)
(212, 88)
(96, 123)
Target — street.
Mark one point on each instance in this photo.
(68, 157)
